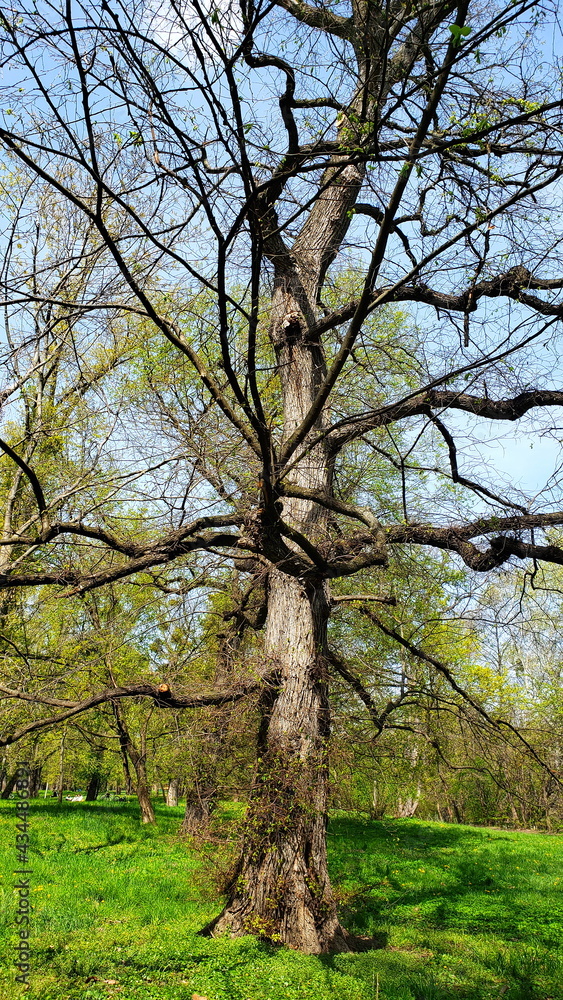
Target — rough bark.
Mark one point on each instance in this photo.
(172, 793)
(200, 801)
(281, 889)
(143, 794)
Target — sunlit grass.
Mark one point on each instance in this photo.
(464, 913)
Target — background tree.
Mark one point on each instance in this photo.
(417, 144)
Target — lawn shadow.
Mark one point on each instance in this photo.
(481, 876)
(361, 942)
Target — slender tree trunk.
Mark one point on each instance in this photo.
(128, 749)
(61, 766)
(142, 790)
(95, 780)
(143, 794)
(123, 744)
(127, 774)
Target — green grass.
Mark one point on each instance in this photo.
(464, 913)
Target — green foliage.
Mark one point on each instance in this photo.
(459, 32)
(469, 913)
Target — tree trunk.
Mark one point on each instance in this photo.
(128, 779)
(129, 750)
(96, 780)
(61, 767)
(200, 801)
(281, 889)
(34, 780)
(9, 786)
(172, 793)
(406, 807)
(378, 804)
(93, 787)
(123, 750)
(143, 794)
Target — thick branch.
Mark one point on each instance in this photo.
(457, 538)
(316, 17)
(421, 404)
(164, 699)
(142, 555)
(34, 481)
(513, 284)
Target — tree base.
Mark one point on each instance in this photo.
(297, 930)
(331, 938)
(196, 819)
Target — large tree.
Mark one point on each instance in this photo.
(226, 155)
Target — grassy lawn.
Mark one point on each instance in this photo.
(464, 913)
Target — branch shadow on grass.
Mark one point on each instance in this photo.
(471, 878)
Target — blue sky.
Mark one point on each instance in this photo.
(519, 454)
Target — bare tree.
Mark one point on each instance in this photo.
(418, 147)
